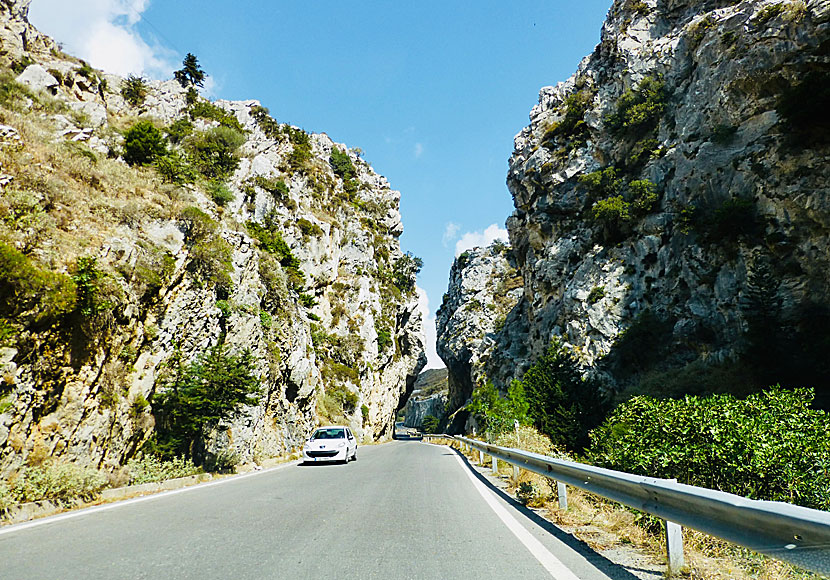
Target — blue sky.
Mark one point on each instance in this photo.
(433, 92)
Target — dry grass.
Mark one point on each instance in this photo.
(604, 525)
(61, 188)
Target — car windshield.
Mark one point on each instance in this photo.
(329, 434)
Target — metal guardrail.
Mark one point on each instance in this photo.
(781, 530)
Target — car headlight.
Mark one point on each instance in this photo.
(341, 444)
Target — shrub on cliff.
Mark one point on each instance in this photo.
(214, 151)
(562, 403)
(770, 445)
(30, 292)
(192, 399)
(134, 90)
(143, 143)
(498, 414)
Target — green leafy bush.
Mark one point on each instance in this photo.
(639, 110)
(173, 167)
(405, 270)
(151, 468)
(572, 126)
(770, 445)
(430, 424)
(270, 240)
(134, 90)
(143, 143)
(213, 152)
(225, 461)
(203, 109)
(497, 414)
(342, 165)
(384, 338)
(300, 155)
(267, 123)
(30, 293)
(210, 255)
(614, 210)
(602, 183)
(562, 403)
(191, 399)
(220, 193)
(88, 279)
(179, 130)
(62, 483)
(596, 294)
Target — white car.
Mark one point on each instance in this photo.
(330, 444)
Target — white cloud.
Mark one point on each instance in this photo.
(419, 150)
(450, 233)
(433, 360)
(103, 32)
(478, 239)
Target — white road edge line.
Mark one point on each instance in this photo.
(552, 564)
(82, 512)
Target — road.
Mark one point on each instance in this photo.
(405, 509)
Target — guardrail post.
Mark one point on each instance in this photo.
(562, 492)
(674, 547)
(480, 457)
(495, 465)
(516, 474)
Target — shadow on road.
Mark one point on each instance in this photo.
(600, 562)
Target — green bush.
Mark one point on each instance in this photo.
(179, 130)
(770, 445)
(173, 167)
(62, 483)
(134, 90)
(213, 152)
(143, 143)
(431, 424)
(497, 414)
(572, 126)
(275, 187)
(734, 218)
(150, 468)
(192, 399)
(308, 228)
(223, 462)
(384, 338)
(364, 410)
(211, 257)
(267, 123)
(405, 270)
(220, 193)
(643, 195)
(270, 240)
(562, 403)
(300, 156)
(31, 293)
(207, 110)
(88, 279)
(639, 110)
(342, 164)
(596, 294)
(614, 210)
(602, 183)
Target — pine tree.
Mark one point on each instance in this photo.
(190, 73)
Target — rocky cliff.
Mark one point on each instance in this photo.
(484, 289)
(429, 397)
(114, 271)
(670, 198)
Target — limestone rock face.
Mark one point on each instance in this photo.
(652, 188)
(322, 316)
(484, 289)
(429, 397)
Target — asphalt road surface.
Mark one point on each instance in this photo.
(405, 509)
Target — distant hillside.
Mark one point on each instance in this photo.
(429, 382)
